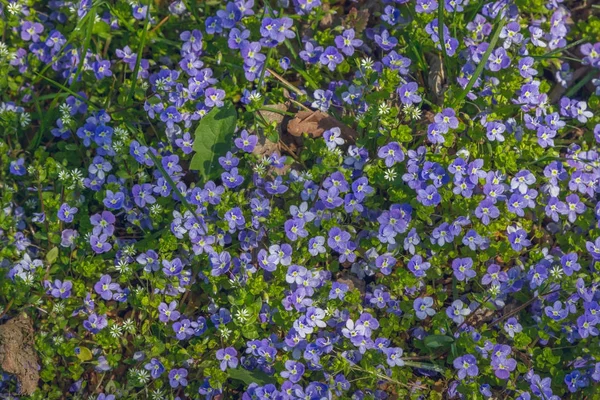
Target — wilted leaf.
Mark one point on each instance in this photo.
(314, 123)
(357, 20)
(213, 138)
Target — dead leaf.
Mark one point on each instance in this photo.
(357, 19)
(314, 123)
(17, 353)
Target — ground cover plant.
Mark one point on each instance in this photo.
(299, 199)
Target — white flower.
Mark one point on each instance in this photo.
(122, 266)
(242, 315)
(384, 109)
(63, 175)
(14, 8)
(390, 174)
(367, 63)
(58, 308)
(25, 119)
(155, 209)
(556, 272)
(129, 326)
(157, 395)
(115, 331)
(224, 331)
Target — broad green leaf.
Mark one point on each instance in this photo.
(213, 138)
(52, 255)
(435, 341)
(249, 377)
(85, 354)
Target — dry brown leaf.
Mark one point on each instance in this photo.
(357, 19)
(314, 123)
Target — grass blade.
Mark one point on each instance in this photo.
(461, 96)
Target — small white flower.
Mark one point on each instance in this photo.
(122, 266)
(367, 63)
(390, 174)
(155, 209)
(58, 308)
(157, 395)
(384, 109)
(242, 315)
(25, 119)
(15, 8)
(129, 326)
(556, 272)
(224, 331)
(116, 331)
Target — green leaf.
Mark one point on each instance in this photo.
(85, 354)
(435, 341)
(249, 377)
(213, 138)
(52, 255)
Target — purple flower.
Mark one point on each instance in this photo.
(168, 313)
(101, 69)
(463, 269)
(183, 329)
(512, 326)
(333, 138)
(246, 142)
(385, 41)
(104, 287)
(575, 381)
(391, 153)
(429, 196)
(426, 6)
(394, 356)
(457, 311)
(556, 312)
(170, 116)
(408, 93)
(338, 291)
(95, 323)
(114, 200)
(498, 60)
(346, 42)
(155, 367)
(177, 377)
(495, 130)
(423, 307)
(294, 229)
(18, 167)
(228, 358)
(142, 194)
(503, 366)
(214, 97)
(172, 268)
(58, 289)
(31, 31)
(331, 58)
(66, 213)
(294, 371)
(518, 238)
(466, 365)
(99, 243)
(417, 266)
(586, 325)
